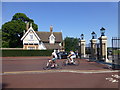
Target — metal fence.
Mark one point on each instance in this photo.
(96, 53)
(116, 53)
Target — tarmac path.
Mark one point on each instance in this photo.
(37, 63)
(27, 72)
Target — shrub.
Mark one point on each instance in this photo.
(15, 53)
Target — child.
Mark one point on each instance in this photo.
(54, 57)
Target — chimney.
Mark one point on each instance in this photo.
(27, 26)
(23, 32)
(51, 28)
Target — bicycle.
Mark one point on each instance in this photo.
(51, 65)
(68, 62)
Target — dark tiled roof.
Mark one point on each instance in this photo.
(52, 46)
(44, 36)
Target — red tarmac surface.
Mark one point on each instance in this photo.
(27, 72)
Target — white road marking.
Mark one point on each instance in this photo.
(114, 78)
(53, 71)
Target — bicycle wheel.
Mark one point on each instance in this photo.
(58, 66)
(65, 62)
(76, 62)
(47, 67)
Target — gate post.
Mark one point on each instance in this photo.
(93, 49)
(103, 46)
(93, 46)
(82, 47)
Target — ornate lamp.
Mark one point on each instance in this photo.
(82, 36)
(93, 35)
(102, 31)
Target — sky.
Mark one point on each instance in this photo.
(72, 18)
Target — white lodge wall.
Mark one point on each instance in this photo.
(41, 46)
(31, 38)
(41, 40)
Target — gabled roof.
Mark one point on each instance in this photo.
(44, 36)
(52, 46)
(52, 35)
(30, 29)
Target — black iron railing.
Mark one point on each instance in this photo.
(116, 53)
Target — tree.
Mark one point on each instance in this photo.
(71, 43)
(12, 31)
(23, 18)
(0, 38)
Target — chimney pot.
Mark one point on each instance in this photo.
(51, 28)
(27, 25)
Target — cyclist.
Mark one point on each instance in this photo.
(71, 56)
(54, 57)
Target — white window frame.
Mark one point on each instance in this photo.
(31, 36)
(52, 40)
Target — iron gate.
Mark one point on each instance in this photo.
(116, 53)
(98, 51)
(96, 55)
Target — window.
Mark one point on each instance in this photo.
(52, 40)
(31, 48)
(25, 43)
(31, 36)
(35, 43)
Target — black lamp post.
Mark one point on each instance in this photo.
(93, 35)
(82, 36)
(102, 31)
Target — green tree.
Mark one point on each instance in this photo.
(71, 43)
(0, 38)
(12, 31)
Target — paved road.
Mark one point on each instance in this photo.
(27, 72)
(59, 80)
(37, 63)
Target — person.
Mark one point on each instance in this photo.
(54, 57)
(59, 54)
(76, 53)
(71, 56)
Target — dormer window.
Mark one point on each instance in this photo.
(52, 39)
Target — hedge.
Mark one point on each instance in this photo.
(15, 53)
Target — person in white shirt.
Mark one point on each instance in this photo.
(54, 57)
(71, 56)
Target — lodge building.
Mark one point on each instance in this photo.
(42, 40)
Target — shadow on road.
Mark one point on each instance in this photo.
(4, 85)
